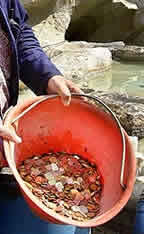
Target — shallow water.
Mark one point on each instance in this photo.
(125, 78)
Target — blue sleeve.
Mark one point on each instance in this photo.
(35, 66)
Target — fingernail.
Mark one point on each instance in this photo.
(66, 101)
(18, 139)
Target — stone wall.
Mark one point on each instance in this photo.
(103, 20)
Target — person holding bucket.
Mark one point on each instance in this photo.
(21, 57)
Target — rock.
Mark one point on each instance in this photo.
(104, 21)
(129, 53)
(51, 31)
(53, 22)
(138, 39)
(128, 4)
(75, 63)
(49, 19)
(118, 49)
(138, 3)
(137, 36)
(40, 10)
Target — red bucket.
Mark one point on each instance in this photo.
(85, 129)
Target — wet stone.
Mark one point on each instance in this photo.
(65, 183)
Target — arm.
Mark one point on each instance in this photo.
(35, 67)
(36, 70)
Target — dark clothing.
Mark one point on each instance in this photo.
(29, 62)
(17, 218)
(139, 220)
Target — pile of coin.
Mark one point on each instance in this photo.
(65, 183)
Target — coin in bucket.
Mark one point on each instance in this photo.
(66, 183)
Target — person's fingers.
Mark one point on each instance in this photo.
(8, 134)
(73, 88)
(58, 85)
(65, 94)
(64, 88)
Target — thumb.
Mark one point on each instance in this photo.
(9, 134)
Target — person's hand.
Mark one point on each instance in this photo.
(9, 134)
(63, 87)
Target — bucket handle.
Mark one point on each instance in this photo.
(95, 98)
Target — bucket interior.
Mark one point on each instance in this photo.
(80, 129)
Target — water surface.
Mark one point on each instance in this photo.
(124, 78)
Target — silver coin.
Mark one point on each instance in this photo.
(52, 182)
(75, 208)
(54, 167)
(59, 186)
(49, 176)
(83, 209)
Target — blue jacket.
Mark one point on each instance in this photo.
(29, 62)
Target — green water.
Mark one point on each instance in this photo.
(125, 78)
